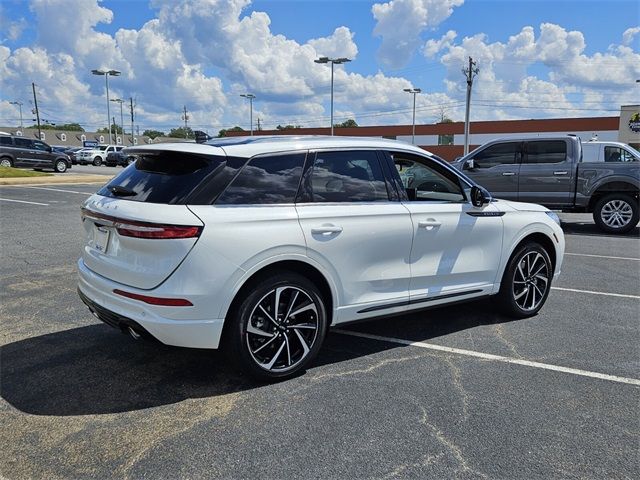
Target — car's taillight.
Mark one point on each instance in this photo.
(134, 228)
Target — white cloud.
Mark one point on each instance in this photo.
(401, 22)
(564, 75)
(629, 34)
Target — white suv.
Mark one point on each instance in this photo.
(257, 245)
(96, 156)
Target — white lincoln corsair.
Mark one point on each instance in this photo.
(257, 245)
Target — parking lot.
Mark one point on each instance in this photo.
(457, 392)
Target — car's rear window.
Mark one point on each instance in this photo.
(173, 178)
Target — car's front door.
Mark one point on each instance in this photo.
(355, 230)
(44, 154)
(496, 168)
(456, 247)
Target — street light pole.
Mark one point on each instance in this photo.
(106, 73)
(333, 61)
(413, 91)
(20, 107)
(120, 101)
(250, 96)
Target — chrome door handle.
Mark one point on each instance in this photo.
(563, 172)
(508, 174)
(326, 229)
(429, 223)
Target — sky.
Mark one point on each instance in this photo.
(535, 59)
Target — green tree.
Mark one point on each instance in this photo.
(116, 129)
(287, 127)
(181, 132)
(66, 127)
(223, 132)
(152, 133)
(347, 123)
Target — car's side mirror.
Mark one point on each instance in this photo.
(49, 149)
(479, 196)
(469, 164)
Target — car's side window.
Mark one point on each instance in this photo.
(266, 180)
(23, 143)
(40, 146)
(497, 154)
(429, 183)
(345, 176)
(617, 154)
(546, 151)
(6, 141)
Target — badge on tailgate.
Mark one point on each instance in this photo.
(100, 238)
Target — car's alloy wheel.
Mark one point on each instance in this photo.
(5, 162)
(278, 328)
(97, 162)
(61, 166)
(282, 328)
(526, 281)
(616, 213)
(530, 281)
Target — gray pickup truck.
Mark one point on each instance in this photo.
(550, 171)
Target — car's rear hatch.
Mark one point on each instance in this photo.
(138, 228)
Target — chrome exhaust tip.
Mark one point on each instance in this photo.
(134, 334)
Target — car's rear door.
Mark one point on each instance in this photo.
(356, 231)
(26, 154)
(547, 173)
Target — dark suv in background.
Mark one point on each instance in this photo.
(29, 153)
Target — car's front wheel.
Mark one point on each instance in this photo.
(526, 281)
(97, 161)
(616, 213)
(278, 328)
(5, 162)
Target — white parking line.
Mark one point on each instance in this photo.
(23, 201)
(602, 256)
(496, 358)
(596, 293)
(59, 190)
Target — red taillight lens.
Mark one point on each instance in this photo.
(165, 302)
(134, 228)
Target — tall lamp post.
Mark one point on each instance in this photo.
(20, 107)
(250, 96)
(106, 73)
(333, 61)
(413, 91)
(120, 101)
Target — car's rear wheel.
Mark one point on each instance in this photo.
(5, 162)
(616, 213)
(60, 166)
(278, 328)
(97, 161)
(526, 281)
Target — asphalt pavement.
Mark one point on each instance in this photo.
(455, 392)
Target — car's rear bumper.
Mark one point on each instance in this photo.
(122, 312)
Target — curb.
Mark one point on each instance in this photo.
(57, 179)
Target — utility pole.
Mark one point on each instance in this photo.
(35, 102)
(113, 123)
(259, 127)
(469, 73)
(20, 106)
(185, 117)
(131, 106)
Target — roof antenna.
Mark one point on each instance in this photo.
(594, 137)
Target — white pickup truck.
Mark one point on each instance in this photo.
(97, 155)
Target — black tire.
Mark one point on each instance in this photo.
(522, 294)
(60, 166)
(616, 213)
(97, 161)
(258, 352)
(6, 162)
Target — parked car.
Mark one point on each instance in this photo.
(595, 151)
(257, 245)
(96, 156)
(26, 152)
(550, 171)
(119, 158)
(72, 154)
